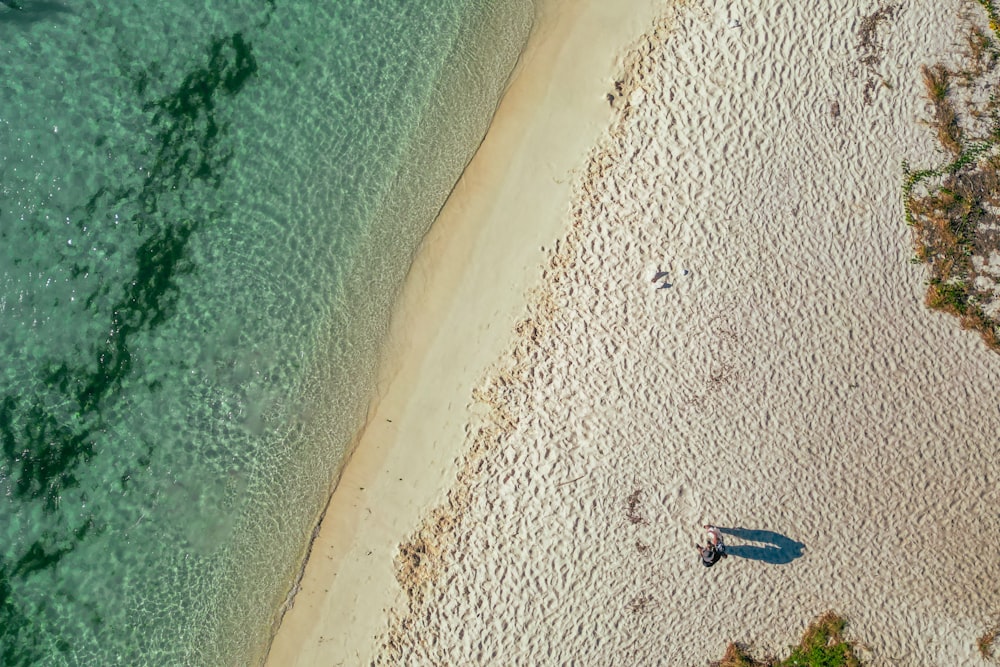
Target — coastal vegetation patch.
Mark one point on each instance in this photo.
(822, 645)
(953, 209)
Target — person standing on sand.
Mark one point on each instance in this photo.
(715, 550)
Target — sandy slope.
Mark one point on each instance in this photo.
(789, 386)
(462, 297)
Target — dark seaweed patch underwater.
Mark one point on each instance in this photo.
(192, 200)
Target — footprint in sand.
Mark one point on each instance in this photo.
(678, 503)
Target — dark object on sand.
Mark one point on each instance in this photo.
(715, 550)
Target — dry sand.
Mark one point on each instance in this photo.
(789, 386)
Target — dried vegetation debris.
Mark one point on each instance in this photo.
(989, 643)
(640, 603)
(871, 49)
(633, 508)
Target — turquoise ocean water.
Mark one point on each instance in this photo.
(206, 210)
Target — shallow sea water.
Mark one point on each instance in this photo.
(205, 213)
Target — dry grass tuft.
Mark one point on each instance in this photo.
(936, 82)
(988, 641)
(738, 655)
(991, 336)
(980, 53)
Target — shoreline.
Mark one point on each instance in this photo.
(487, 240)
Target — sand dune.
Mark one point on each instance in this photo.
(783, 379)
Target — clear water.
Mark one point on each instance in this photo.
(206, 210)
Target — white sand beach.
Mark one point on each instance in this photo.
(553, 427)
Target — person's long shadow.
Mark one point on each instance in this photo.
(771, 547)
